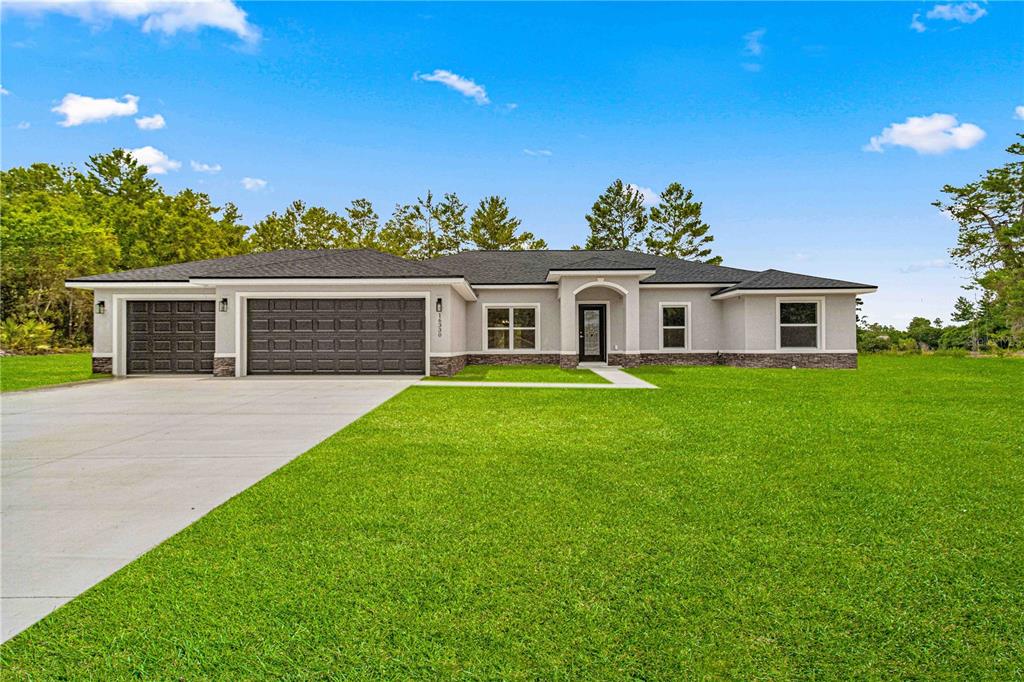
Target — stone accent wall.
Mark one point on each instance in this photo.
(755, 360)
(102, 365)
(513, 359)
(624, 359)
(568, 361)
(787, 360)
(223, 367)
(446, 366)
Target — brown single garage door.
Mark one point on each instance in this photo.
(173, 337)
(336, 336)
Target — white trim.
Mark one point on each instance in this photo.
(241, 316)
(225, 355)
(601, 283)
(555, 275)
(819, 325)
(709, 285)
(103, 355)
(458, 283)
(130, 285)
(511, 329)
(790, 292)
(661, 324)
(544, 285)
(120, 312)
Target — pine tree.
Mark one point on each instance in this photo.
(364, 224)
(493, 228)
(617, 219)
(677, 229)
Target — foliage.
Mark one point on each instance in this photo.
(925, 332)
(492, 228)
(25, 336)
(677, 229)
(618, 219)
(19, 372)
(442, 225)
(866, 526)
(363, 223)
(301, 227)
(874, 338)
(990, 216)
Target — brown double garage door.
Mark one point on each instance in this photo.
(336, 336)
(283, 336)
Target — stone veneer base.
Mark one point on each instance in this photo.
(447, 366)
(223, 367)
(102, 365)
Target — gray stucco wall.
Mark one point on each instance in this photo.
(704, 321)
(545, 297)
(761, 322)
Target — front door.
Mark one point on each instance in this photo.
(592, 341)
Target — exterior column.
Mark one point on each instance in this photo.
(569, 347)
(632, 303)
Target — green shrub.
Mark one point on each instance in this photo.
(909, 346)
(27, 336)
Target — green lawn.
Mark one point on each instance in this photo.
(524, 373)
(748, 524)
(29, 371)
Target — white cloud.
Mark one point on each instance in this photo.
(158, 16)
(465, 86)
(24, 125)
(537, 152)
(650, 196)
(752, 67)
(752, 43)
(205, 167)
(1018, 112)
(253, 184)
(79, 109)
(934, 264)
(933, 134)
(511, 106)
(4, 91)
(155, 122)
(155, 160)
(916, 24)
(963, 12)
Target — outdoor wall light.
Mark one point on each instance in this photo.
(437, 306)
(101, 307)
(223, 305)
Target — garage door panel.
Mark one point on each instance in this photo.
(170, 337)
(336, 336)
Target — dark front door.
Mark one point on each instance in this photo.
(592, 342)
(336, 336)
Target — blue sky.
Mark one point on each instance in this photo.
(767, 111)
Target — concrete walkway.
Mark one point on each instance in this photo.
(95, 475)
(616, 377)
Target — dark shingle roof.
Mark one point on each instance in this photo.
(778, 279)
(339, 263)
(532, 267)
(478, 267)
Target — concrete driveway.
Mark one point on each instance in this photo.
(97, 474)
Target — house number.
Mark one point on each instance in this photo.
(439, 325)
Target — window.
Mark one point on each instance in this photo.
(673, 325)
(798, 324)
(511, 328)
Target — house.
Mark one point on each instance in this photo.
(366, 312)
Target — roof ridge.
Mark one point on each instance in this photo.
(219, 271)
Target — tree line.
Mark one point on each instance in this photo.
(980, 326)
(61, 222)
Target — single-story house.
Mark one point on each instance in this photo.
(366, 312)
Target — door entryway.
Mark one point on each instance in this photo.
(593, 343)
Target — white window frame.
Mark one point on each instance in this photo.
(661, 325)
(511, 328)
(820, 337)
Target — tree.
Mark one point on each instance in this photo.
(924, 332)
(300, 227)
(990, 216)
(492, 228)
(443, 225)
(364, 224)
(677, 229)
(617, 219)
(402, 234)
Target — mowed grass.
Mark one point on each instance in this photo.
(745, 524)
(18, 372)
(524, 373)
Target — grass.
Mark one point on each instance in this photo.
(18, 372)
(524, 373)
(751, 524)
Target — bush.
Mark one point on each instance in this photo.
(909, 346)
(28, 336)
